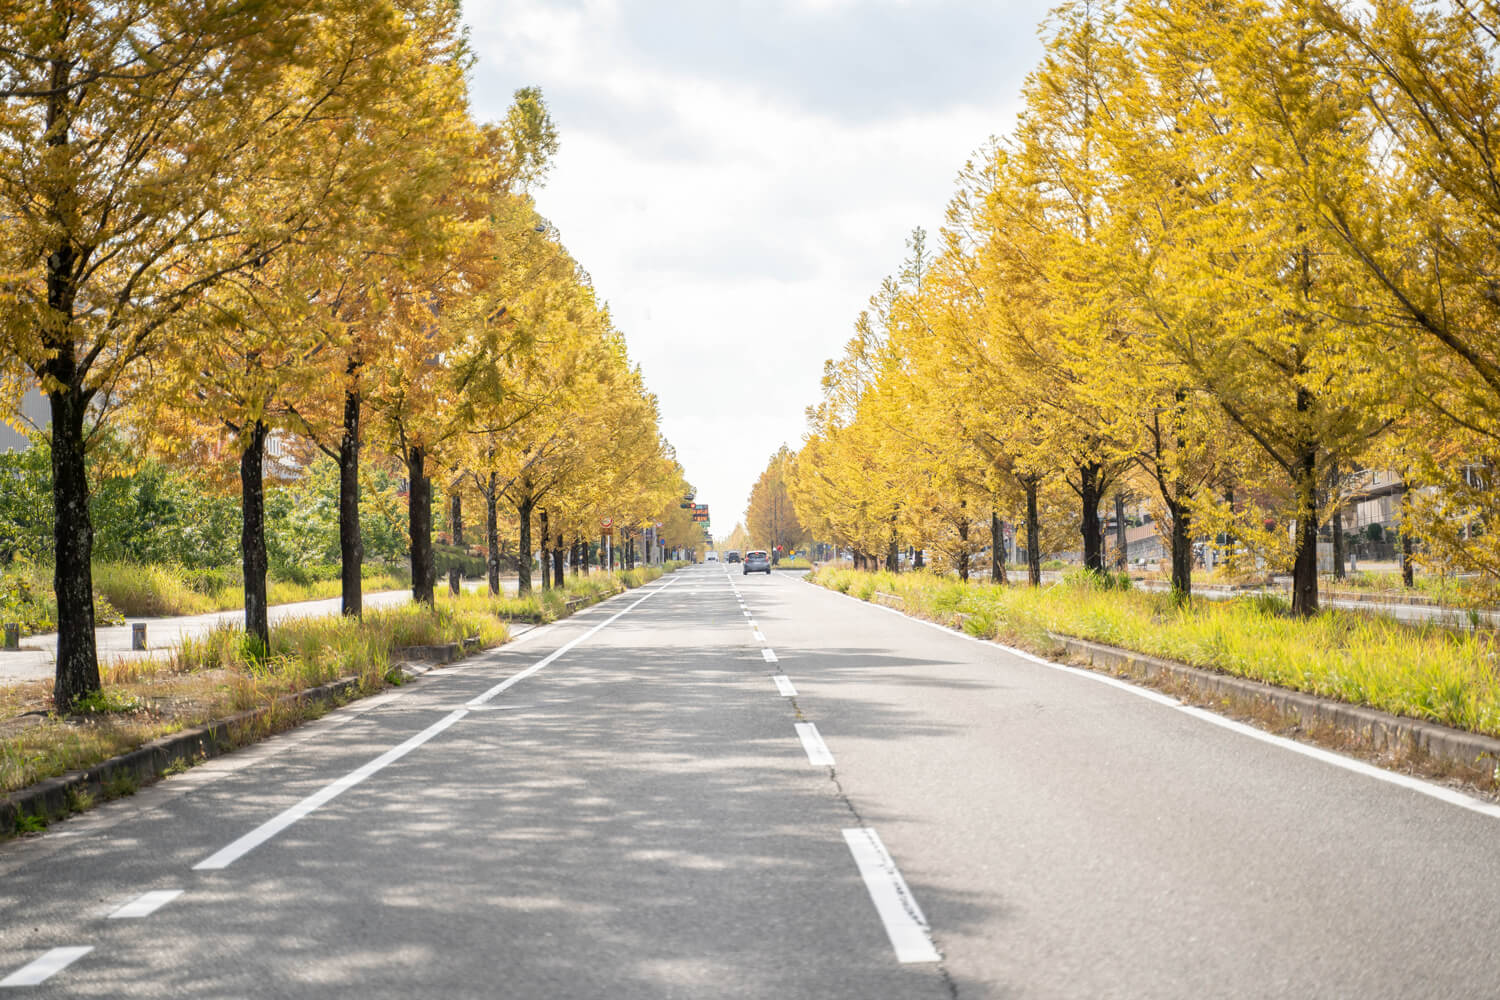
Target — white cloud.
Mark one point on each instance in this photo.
(737, 209)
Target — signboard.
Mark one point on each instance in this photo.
(606, 522)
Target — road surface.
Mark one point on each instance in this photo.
(746, 786)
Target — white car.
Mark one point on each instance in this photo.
(711, 557)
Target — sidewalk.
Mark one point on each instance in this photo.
(36, 658)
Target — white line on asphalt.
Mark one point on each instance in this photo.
(747, 614)
(769, 655)
(559, 651)
(812, 742)
(904, 923)
(42, 969)
(759, 636)
(146, 904)
(1439, 792)
(784, 686)
(227, 856)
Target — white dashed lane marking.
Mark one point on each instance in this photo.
(44, 968)
(784, 686)
(904, 923)
(146, 904)
(769, 655)
(812, 743)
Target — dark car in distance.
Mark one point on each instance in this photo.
(758, 561)
(734, 555)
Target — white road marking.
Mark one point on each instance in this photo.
(904, 923)
(747, 614)
(784, 686)
(227, 856)
(42, 969)
(812, 743)
(1440, 792)
(146, 904)
(759, 636)
(559, 651)
(769, 655)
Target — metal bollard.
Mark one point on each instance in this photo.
(12, 635)
(137, 635)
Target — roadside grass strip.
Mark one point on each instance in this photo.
(904, 923)
(40, 970)
(229, 854)
(817, 751)
(145, 904)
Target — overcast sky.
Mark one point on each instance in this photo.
(738, 177)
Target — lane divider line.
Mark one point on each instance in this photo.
(759, 636)
(145, 904)
(1440, 792)
(41, 969)
(547, 660)
(904, 923)
(812, 744)
(226, 856)
(784, 686)
(769, 655)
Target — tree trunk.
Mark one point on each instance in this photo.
(997, 548)
(253, 536)
(583, 556)
(1305, 559)
(523, 557)
(456, 515)
(893, 551)
(351, 539)
(73, 538)
(545, 527)
(963, 546)
(1334, 477)
(1182, 548)
(1408, 575)
(419, 527)
(1122, 544)
(1093, 533)
(557, 562)
(492, 535)
(1033, 533)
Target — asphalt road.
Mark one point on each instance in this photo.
(638, 802)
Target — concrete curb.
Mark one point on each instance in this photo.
(1368, 727)
(54, 798)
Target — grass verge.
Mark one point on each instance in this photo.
(1430, 673)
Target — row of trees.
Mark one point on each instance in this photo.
(223, 225)
(1233, 250)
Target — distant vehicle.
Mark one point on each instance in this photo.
(757, 561)
(734, 556)
(711, 557)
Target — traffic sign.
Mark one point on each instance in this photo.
(606, 522)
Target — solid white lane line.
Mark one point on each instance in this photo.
(1440, 792)
(904, 923)
(146, 904)
(227, 856)
(769, 655)
(42, 969)
(547, 660)
(759, 637)
(784, 686)
(812, 743)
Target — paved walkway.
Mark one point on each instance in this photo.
(37, 656)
